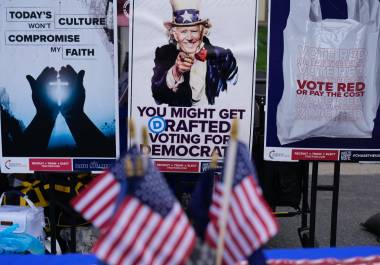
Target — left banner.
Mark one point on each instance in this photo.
(58, 85)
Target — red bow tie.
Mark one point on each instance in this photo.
(201, 55)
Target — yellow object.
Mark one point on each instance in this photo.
(128, 167)
(139, 166)
(29, 186)
(234, 129)
(214, 159)
(132, 130)
(145, 136)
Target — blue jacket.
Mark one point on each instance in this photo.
(221, 67)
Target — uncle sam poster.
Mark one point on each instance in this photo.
(192, 71)
(58, 85)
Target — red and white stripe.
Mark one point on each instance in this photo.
(250, 222)
(371, 260)
(96, 203)
(138, 235)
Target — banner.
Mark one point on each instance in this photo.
(191, 73)
(323, 81)
(58, 85)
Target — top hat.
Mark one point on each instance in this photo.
(185, 13)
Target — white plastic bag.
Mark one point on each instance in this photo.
(330, 70)
(30, 220)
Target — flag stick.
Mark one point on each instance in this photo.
(227, 180)
(128, 167)
(214, 160)
(140, 169)
(145, 147)
(132, 131)
(145, 140)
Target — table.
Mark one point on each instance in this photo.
(315, 253)
(318, 253)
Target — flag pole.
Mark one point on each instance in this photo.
(145, 147)
(145, 140)
(132, 130)
(214, 160)
(228, 175)
(128, 165)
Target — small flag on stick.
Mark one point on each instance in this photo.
(96, 203)
(149, 227)
(248, 221)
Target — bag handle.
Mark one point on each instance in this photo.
(362, 11)
(300, 11)
(375, 12)
(303, 11)
(315, 11)
(354, 10)
(19, 194)
(358, 10)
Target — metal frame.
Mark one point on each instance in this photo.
(307, 230)
(334, 188)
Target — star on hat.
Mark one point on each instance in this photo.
(187, 17)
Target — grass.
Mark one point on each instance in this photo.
(262, 49)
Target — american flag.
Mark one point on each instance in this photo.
(96, 203)
(149, 227)
(250, 222)
(371, 260)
